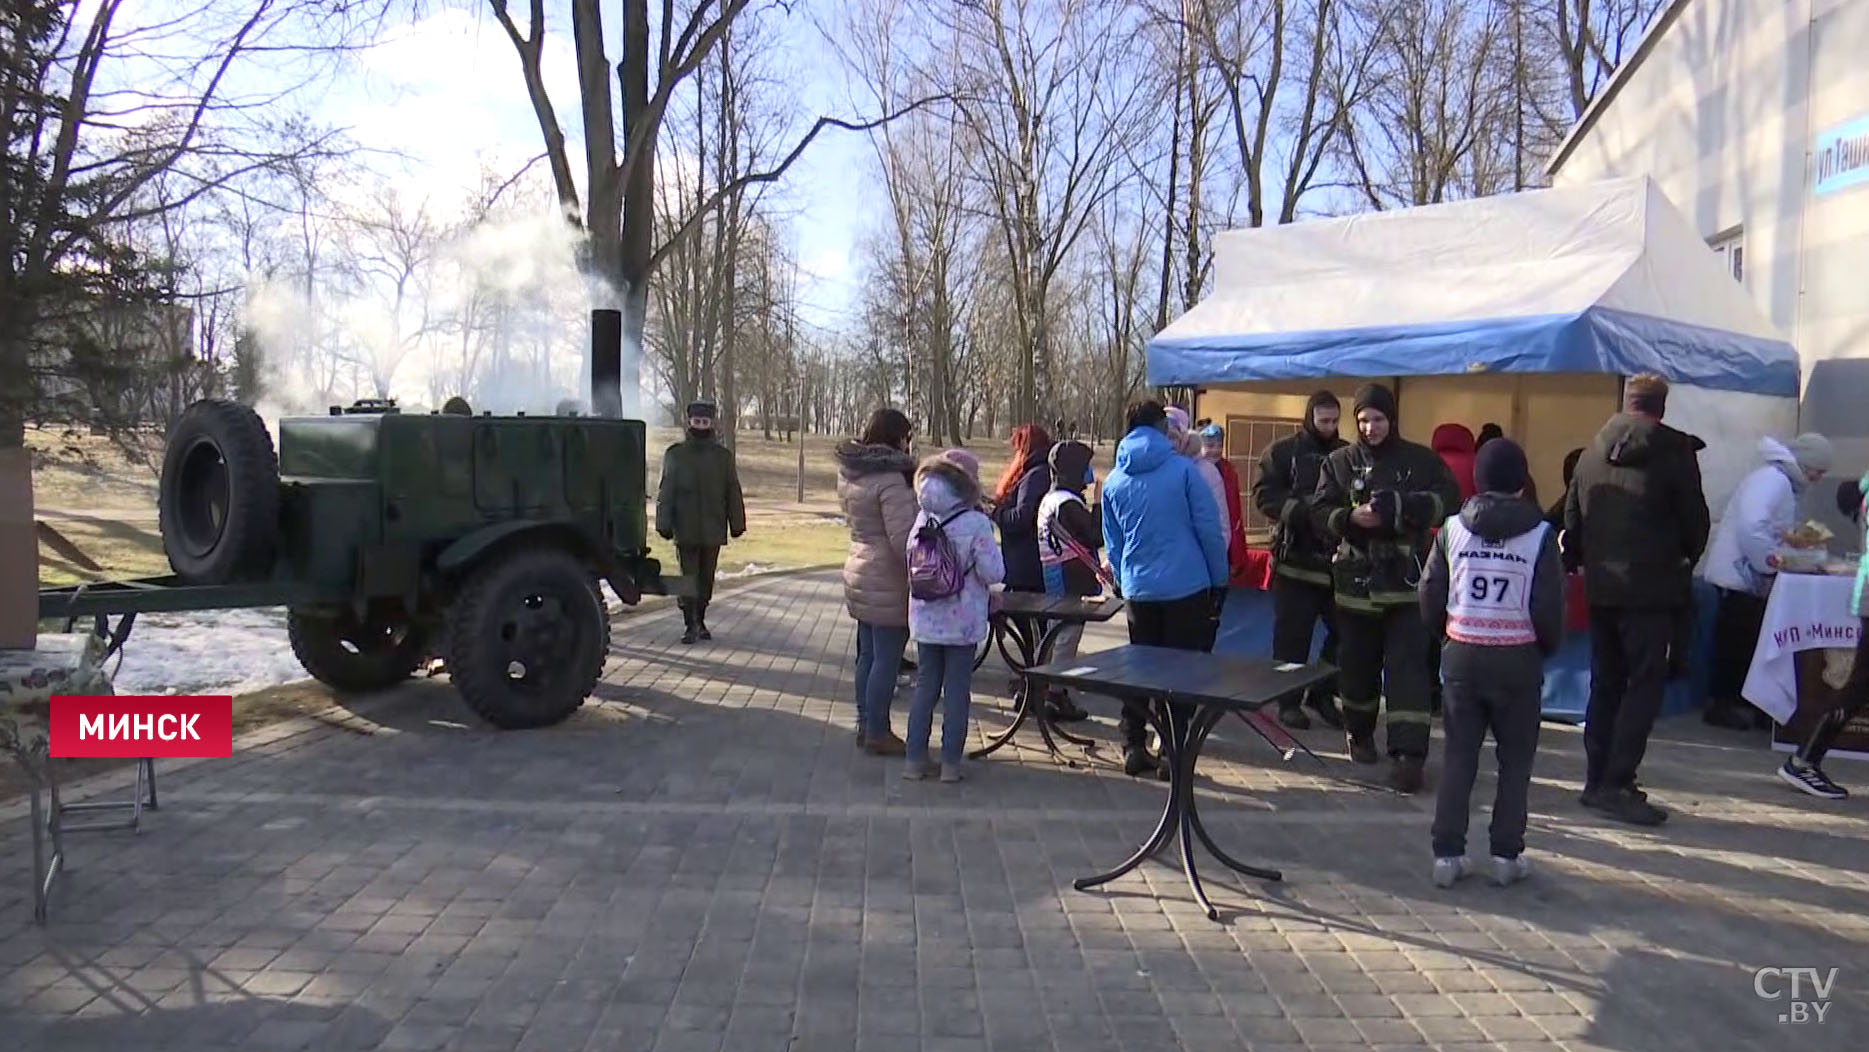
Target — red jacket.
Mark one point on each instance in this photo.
(1456, 445)
(1236, 521)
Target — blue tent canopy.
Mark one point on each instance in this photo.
(1603, 278)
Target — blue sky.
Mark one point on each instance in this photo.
(447, 91)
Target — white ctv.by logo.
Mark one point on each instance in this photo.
(1805, 991)
(131, 727)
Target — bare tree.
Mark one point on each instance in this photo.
(1431, 126)
(393, 249)
(84, 141)
(617, 212)
(1048, 100)
(1591, 37)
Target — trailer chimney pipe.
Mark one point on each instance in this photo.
(606, 363)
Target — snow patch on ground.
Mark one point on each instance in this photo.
(207, 652)
(233, 651)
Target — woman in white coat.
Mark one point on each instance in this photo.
(1742, 560)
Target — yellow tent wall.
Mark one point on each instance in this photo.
(1548, 413)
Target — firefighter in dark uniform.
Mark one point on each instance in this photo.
(1379, 499)
(1301, 594)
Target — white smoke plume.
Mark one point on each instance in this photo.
(419, 309)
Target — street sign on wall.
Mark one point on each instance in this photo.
(1840, 157)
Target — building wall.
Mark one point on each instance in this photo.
(1725, 111)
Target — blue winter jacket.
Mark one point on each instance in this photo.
(1160, 522)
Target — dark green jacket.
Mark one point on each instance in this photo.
(1413, 489)
(699, 501)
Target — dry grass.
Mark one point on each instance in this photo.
(121, 549)
(72, 469)
(76, 472)
(769, 469)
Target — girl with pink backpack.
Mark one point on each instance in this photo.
(954, 561)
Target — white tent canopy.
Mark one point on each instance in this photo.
(1605, 277)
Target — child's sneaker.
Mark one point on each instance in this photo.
(950, 772)
(1811, 780)
(1510, 870)
(916, 770)
(1449, 870)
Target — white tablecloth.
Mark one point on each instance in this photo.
(1805, 612)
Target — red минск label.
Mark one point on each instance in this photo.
(133, 726)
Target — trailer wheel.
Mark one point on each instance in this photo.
(348, 655)
(218, 506)
(527, 638)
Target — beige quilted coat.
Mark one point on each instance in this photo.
(879, 504)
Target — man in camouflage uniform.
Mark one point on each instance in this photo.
(698, 506)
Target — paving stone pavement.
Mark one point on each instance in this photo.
(699, 860)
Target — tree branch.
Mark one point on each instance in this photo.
(740, 184)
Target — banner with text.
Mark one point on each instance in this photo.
(154, 726)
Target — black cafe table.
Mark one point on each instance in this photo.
(1189, 693)
(1032, 621)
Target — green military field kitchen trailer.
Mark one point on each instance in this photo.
(393, 538)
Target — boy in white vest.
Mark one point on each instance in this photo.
(1069, 531)
(1494, 588)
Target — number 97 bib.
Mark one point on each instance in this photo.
(1489, 594)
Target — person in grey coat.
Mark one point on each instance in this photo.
(1494, 589)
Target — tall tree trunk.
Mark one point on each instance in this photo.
(634, 227)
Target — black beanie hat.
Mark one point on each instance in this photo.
(1500, 467)
(1069, 460)
(1379, 398)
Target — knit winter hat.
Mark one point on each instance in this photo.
(1178, 420)
(1070, 465)
(964, 460)
(1813, 452)
(1500, 467)
(1379, 398)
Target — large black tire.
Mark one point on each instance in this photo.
(218, 506)
(527, 637)
(346, 655)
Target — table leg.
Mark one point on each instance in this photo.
(1046, 726)
(41, 882)
(1164, 829)
(1181, 750)
(1032, 645)
(1204, 726)
(1022, 702)
(1184, 732)
(145, 788)
(46, 864)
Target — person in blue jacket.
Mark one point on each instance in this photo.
(1167, 552)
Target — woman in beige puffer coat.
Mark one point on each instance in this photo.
(873, 474)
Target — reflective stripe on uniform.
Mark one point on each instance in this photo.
(1296, 573)
(1371, 705)
(1377, 602)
